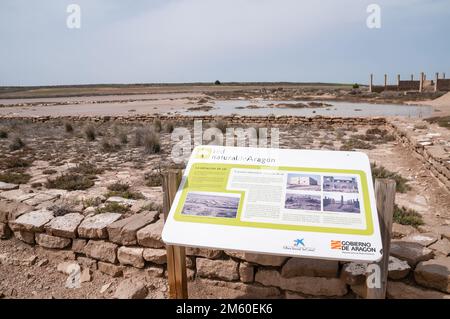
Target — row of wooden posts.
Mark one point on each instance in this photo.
(176, 255)
(422, 79)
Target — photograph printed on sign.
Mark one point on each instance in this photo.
(341, 202)
(303, 202)
(340, 183)
(211, 204)
(307, 182)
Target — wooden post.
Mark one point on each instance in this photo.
(412, 77)
(371, 83)
(398, 79)
(385, 82)
(421, 82)
(436, 82)
(176, 255)
(385, 197)
(443, 75)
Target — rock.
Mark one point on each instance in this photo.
(399, 231)
(10, 210)
(150, 235)
(296, 267)
(121, 200)
(5, 232)
(129, 289)
(52, 242)
(424, 239)
(246, 272)
(110, 269)
(105, 288)
(441, 248)
(215, 289)
(85, 275)
(25, 236)
(101, 250)
(434, 273)
(354, 273)
(397, 269)
(206, 253)
(59, 255)
(17, 195)
(6, 259)
(444, 231)
(315, 286)
(42, 262)
(400, 290)
(8, 186)
(64, 226)
(78, 245)
(95, 227)
(411, 252)
(67, 267)
(132, 256)
(39, 199)
(260, 259)
(219, 269)
(360, 290)
(157, 256)
(32, 222)
(87, 262)
(124, 231)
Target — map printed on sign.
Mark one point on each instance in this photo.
(317, 204)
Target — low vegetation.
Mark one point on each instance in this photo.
(122, 190)
(354, 143)
(71, 182)
(16, 144)
(109, 147)
(152, 180)
(442, 121)
(86, 168)
(152, 144)
(381, 172)
(407, 216)
(112, 207)
(3, 134)
(90, 133)
(14, 177)
(68, 127)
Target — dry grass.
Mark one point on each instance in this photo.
(122, 190)
(71, 182)
(16, 144)
(14, 177)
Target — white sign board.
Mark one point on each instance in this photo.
(317, 204)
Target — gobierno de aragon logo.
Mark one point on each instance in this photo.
(352, 246)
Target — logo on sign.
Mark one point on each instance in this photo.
(203, 153)
(299, 242)
(355, 247)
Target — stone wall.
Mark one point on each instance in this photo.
(132, 247)
(434, 157)
(443, 85)
(408, 85)
(232, 119)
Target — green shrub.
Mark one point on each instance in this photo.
(123, 138)
(122, 190)
(16, 162)
(354, 143)
(407, 216)
(90, 133)
(442, 121)
(109, 147)
(112, 207)
(355, 86)
(3, 134)
(71, 182)
(49, 171)
(68, 127)
(16, 144)
(14, 178)
(152, 143)
(86, 168)
(157, 125)
(381, 172)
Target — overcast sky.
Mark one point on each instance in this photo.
(230, 40)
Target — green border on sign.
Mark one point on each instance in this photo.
(219, 186)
